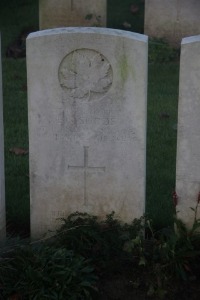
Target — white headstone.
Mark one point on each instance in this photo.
(172, 19)
(188, 144)
(65, 13)
(2, 185)
(87, 90)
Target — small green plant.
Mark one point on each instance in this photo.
(63, 267)
(161, 52)
(168, 254)
(70, 264)
(102, 241)
(45, 272)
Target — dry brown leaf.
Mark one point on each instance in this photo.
(18, 151)
(24, 88)
(134, 8)
(164, 115)
(15, 296)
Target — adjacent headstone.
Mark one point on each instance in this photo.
(188, 145)
(172, 19)
(87, 90)
(65, 13)
(2, 185)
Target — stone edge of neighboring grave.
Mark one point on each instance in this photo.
(3, 228)
(190, 39)
(102, 31)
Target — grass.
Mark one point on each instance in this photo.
(16, 135)
(161, 141)
(162, 101)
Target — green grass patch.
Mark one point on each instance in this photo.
(161, 141)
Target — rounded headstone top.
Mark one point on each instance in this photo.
(89, 30)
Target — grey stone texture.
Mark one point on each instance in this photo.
(87, 90)
(2, 181)
(66, 13)
(172, 19)
(188, 143)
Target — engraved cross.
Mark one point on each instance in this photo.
(86, 168)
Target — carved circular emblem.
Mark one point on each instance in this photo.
(85, 74)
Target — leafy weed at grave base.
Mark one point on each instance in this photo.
(91, 259)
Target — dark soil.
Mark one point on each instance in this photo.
(130, 282)
(120, 286)
(17, 49)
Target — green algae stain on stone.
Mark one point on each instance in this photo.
(124, 69)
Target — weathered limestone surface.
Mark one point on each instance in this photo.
(188, 144)
(172, 19)
(2, 184)
(87, 90)
(65, 13)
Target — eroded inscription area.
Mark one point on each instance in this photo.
(86, 168)
(85, 74)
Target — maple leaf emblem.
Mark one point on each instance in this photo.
(84, 72)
